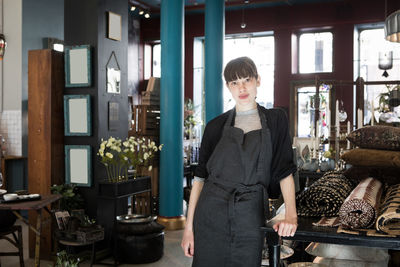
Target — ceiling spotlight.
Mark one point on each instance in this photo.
(133, 8)
(243, 24)
(147, 15)
(141, 12)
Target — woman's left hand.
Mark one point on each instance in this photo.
(286, 227)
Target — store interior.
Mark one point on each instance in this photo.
(104, 103)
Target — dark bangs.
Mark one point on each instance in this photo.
(238, 68)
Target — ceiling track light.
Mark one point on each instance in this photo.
(147, 15)
(141, 12)
(133, 8)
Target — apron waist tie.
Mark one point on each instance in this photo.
(235, 196)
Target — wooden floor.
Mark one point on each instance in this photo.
(173, 255)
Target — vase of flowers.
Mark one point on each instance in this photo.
(118, 156)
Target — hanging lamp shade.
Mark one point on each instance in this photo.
(392, 27)
(3, 45)
(385, 62)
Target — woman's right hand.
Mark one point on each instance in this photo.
(187, 243)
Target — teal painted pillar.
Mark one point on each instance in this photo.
(171, 104)
(214, 42)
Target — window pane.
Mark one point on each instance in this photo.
(157, 60)
(306, 111)
(261, 50)
(315, 52)
(371, 42)
(147, 61)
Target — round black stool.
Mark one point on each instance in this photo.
(140, 239)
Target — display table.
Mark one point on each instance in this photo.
(306, 232)
(38, 206)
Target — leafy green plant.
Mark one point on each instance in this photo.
(86, 221)
(66, 260)
(71, 199)
(384, 98)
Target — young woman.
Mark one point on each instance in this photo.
(245, 156)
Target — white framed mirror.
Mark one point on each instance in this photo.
(77, 115)
(113, 81)
(78, 165)
(77, 66)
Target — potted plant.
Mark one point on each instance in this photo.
(391, 98)
(120, 156)
(71, 199)
(394, 96)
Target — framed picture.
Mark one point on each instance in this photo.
(114, 26)
(113, 116)
(62, 219)
(78, 66)
(78, 165)
(77, 115)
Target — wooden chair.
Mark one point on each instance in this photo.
(17, 242)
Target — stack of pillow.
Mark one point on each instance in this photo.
(377, 155)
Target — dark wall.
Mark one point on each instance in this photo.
(86, 23)
(40, 19)
(284, 21)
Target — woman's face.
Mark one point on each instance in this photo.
(244, 91)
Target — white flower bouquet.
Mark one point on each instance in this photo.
(118, 156)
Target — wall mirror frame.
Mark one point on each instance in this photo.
(114, 26)
(113, 75)
(78, 165)
(78, 66)
(77, 115)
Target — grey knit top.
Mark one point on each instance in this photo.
(248, 121)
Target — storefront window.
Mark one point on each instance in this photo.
(315, 52)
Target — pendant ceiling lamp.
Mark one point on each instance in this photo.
(385, 62)
(392, 27)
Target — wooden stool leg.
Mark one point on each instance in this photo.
(20, 248)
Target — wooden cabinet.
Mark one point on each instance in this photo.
(45, 132)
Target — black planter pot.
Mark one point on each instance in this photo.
(140, 248)
(124, 188)
(394, 98)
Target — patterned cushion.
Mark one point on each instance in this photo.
(376, 137)
(389, 175)
(345, 252)
(372, 157)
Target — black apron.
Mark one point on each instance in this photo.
(233, 204)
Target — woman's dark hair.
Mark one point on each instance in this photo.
(240, 67)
